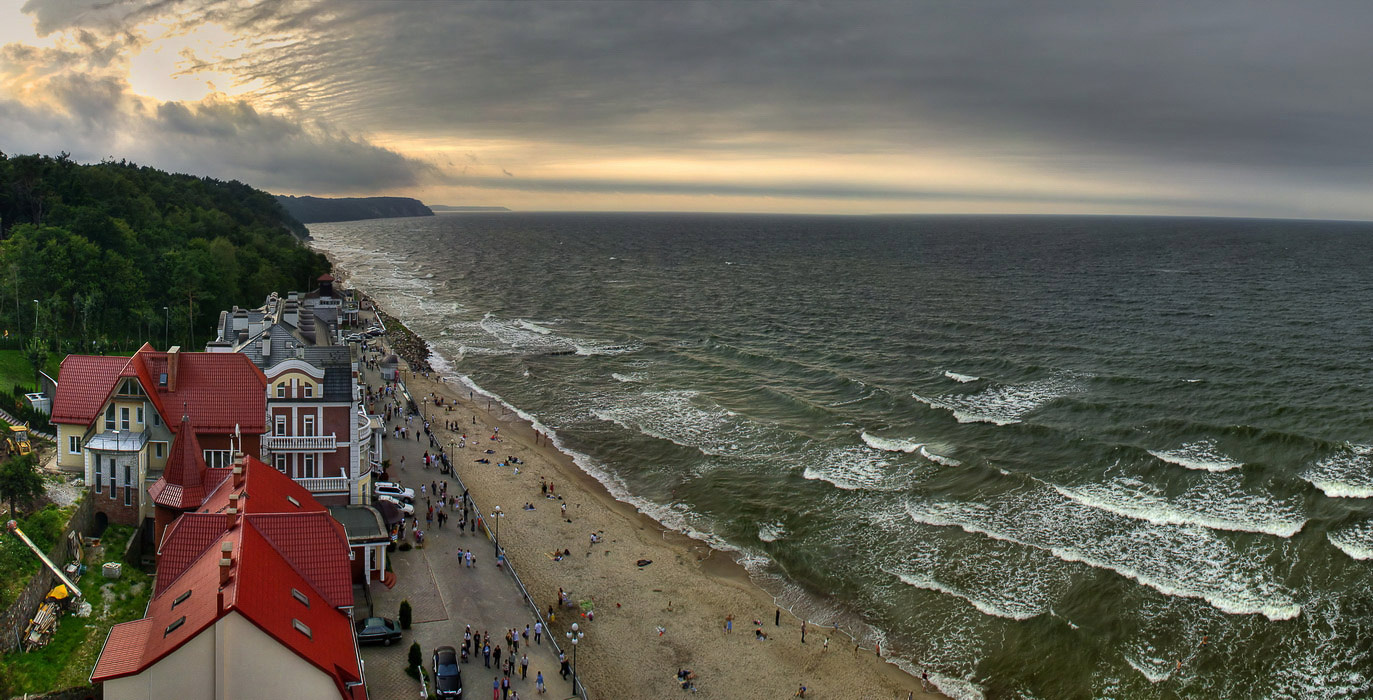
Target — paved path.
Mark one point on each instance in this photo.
(445, 597)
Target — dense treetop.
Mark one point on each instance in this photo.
(104, 247)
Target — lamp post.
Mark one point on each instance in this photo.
(497, 515)
(166, 321)
(573, 637)
(36, 309)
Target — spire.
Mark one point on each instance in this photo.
(182, 485)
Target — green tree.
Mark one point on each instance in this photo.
(413, 660)
(405, 614)
(20, 482)
(36, 352)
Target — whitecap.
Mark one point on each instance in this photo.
(891, 444)
(961, 378)
(1345, 474)
(771, 532)
(939, 459)
(1004, 404)
(1203, 455)
(1218, 503)
(1355, 540)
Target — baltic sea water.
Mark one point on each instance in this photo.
(1043, 457)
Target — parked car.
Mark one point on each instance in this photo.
(394, 490)
(377, 630)
(405, 508)
(447, 675)
(355, 338)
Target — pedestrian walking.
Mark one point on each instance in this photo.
(486, 655)
(538, 683)
(777, 618)
(524, 666)
(565, 669)
(538, 632)
(505, 687)
(729, 623)
(496, 655)
(803, 631)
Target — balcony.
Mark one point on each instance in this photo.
(299, 443)
(326, 484)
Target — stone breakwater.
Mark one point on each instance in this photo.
(404, 343)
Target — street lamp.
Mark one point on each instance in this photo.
(36, 309)
(497, 515)
(573, 637)
(166, 321)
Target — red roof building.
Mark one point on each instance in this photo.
(117, 418)
(253, 595)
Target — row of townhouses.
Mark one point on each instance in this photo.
(247, 469)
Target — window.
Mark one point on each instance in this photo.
(73, 444)
(281, 425)
(124, 418)
(308, 426)
(295, 503)
(109, 417)
(113, 489)
(98, 483)
(281, 390)
(157, 420)
(172, 627)
(159, 449)
(181, 599)
(128, 485)
(309, 391)
(218, 459)
(140, 415)
(300, 627)
(304, 600)
(279, 461)
(307, 466)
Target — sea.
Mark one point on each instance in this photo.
(1035, 457)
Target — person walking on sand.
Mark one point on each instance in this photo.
(803, 631)
(777, 619)
(729, 623)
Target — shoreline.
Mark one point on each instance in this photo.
(699, 583)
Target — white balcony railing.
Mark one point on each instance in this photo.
(299, 443)
(326, 484)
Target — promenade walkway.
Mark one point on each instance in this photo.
(446, 596)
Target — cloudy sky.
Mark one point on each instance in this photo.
(1250, 108)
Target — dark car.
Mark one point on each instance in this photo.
(447, 675)
(377, 630)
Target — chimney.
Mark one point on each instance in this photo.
(226, 562)
(173, 359)
(238, 476)
(232, 512)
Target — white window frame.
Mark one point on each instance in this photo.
(281, 425)
(309, 391)
(309, 466)
(218, 459)
(123, 417)
(281, 390)
(73, 444)
(307, 426)
(128, 485)
(139, 414)
(279, 462)
(160, 450)
(109, 417)
(98, 483)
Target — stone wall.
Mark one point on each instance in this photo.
(15, 619)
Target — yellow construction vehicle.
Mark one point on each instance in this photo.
(17, 442)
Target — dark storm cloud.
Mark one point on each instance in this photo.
(1160, 92)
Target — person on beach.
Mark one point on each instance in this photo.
(486, 655)
(729, 623)
(803, 631)
(777, 619)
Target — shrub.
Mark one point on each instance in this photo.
(414, 659)
(405, 614)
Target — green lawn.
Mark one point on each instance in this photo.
(15, 369)
(67, 660)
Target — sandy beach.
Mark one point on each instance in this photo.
(652, 620)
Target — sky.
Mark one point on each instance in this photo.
(1219, 108)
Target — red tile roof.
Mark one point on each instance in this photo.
(217, 390)
(85, 382)
(270, 556)
(183, 482)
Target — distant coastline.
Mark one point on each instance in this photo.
(442, 208)
(318, 210)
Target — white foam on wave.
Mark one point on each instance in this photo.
(532, 326)
(677, 417)
(1183, 561)
(630, 378)
(1355, 540)
(1004, 404)
(982, 606)
(1218, 503)
(858, 469)
(938, 458)
(771, 532)
(1344, 474)
(891, 444)
(961, 378)
(1153, 668)
(587, 348)
(1203, 455)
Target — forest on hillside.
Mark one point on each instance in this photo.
(102, 257)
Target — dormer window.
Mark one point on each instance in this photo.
(173, 627)
(309, 391)
(281, 390)
(162, 379)
(304, 599)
